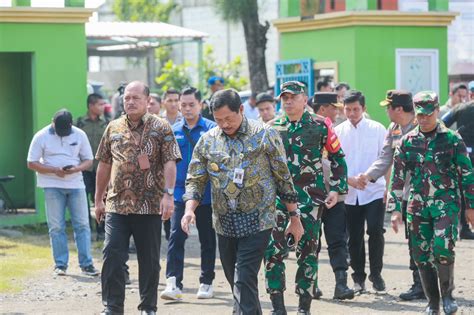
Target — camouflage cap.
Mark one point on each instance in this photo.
(292, 87)
(425, 102)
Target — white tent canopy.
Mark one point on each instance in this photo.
(139, 39)
(139, 30)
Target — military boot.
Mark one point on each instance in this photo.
(278, 304)
(304, 305)
(342, 291)
(416, 290)
(446, 281)
(429, 280)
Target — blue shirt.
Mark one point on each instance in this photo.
(186, 148)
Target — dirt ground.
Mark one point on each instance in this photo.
(78, 294)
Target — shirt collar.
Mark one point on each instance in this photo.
(243, 129)
(305, 118)
(440, 128)
(143, 120)
(244, 126)
(87, 117)
(200, 123)
(359, 124)
(51, 131)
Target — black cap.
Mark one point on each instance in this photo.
(62, 123)
(326, 98)
(398, 98)
(264, 97)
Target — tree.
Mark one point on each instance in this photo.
(246, 11)
(143, 10)
(148, 11)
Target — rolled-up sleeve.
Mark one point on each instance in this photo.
(278, 165)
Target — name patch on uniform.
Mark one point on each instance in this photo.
(332, 143)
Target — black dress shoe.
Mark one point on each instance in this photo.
(377, 282)
(109, 312)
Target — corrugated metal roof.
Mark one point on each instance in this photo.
(139, 30)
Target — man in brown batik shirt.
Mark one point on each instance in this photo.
(137, 155)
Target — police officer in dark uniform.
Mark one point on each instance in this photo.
(333, 220)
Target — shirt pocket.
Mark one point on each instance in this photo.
(75, 148)
(412, 161)
(218, 163)
(442, 158)
(116, 142)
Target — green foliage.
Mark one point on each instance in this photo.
(174, 76)
(231, 71)
(143, 10)
(178, 76)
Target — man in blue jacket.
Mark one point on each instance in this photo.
(187, 133)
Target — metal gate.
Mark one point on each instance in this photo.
(297, 69)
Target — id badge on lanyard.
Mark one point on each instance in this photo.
(143, 161)
(239, 173)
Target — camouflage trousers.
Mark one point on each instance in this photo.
(277, 251)
(432, 239)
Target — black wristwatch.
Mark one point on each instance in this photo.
(169, 191)
(295, 213)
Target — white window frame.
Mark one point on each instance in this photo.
(433, 54)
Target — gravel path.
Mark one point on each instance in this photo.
(78, 294)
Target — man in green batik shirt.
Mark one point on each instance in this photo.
(245, 161)
(305, 136)
(437, 160)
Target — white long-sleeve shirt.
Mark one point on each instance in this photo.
(362, 145)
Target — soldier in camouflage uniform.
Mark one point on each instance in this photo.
(305, 136)
(399, 105)
(437, 161)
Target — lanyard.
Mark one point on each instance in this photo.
(141, 136)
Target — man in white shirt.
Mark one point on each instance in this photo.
(58, 154)
(250, 107)
(362, 140)
(172, 112)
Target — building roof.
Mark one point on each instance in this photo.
(140, 30)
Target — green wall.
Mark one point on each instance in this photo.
(366, 55)
(56, 79)
(16, 125)
(375, 59)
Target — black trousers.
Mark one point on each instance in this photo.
(373, 213)
(146, 231)
(241, 259)
(89, 182)
(334, 226)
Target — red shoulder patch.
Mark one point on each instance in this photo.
(332, 143)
